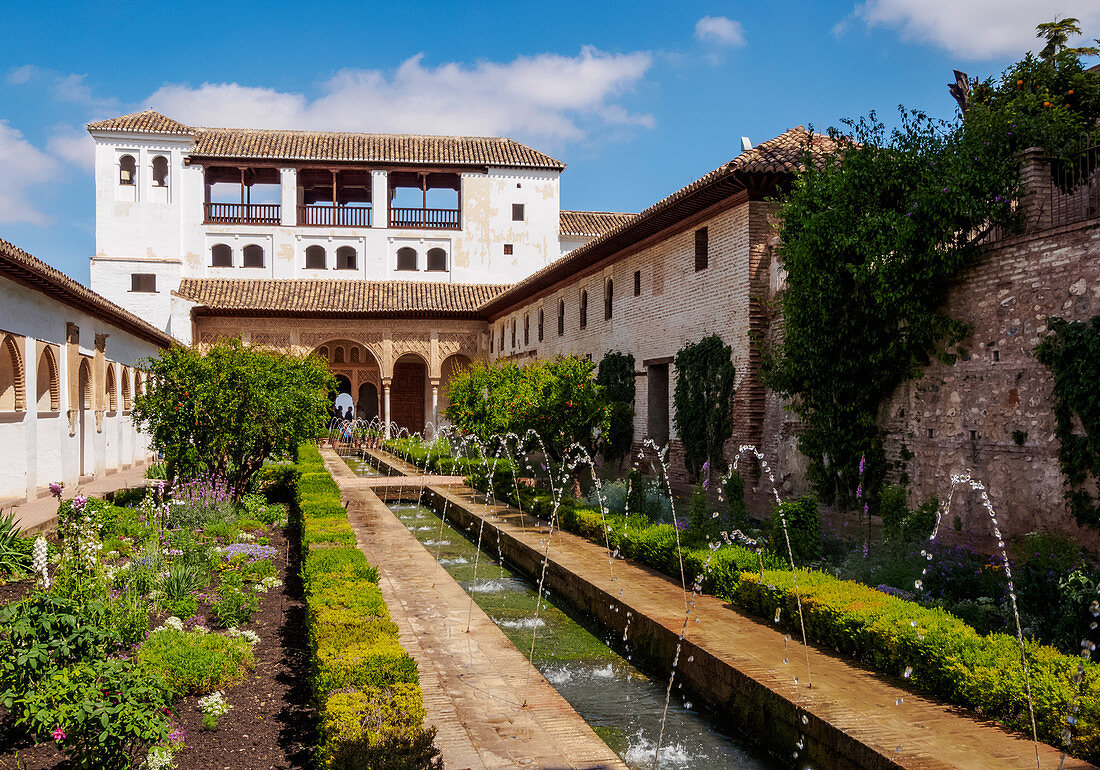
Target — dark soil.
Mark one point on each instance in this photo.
(272, 723)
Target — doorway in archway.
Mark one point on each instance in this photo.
(407, 393)
(367, 408)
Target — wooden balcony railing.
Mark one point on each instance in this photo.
(424, 219)
(334, 216)
(242, 213)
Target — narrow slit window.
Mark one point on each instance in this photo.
(540, 324)
(637, 283)
(702, 258)
(584, 309)
(608, 299)
(526, 330)
(561, 317)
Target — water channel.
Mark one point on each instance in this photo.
(594, 674)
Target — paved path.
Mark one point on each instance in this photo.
(41, 514)
(903, 729)
(475, 683)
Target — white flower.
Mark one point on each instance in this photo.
(171, 622)
(214, 705)
(160, 758)
(245, 537)
(252, 637)
(39, 561)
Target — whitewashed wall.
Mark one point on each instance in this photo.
(36, 443)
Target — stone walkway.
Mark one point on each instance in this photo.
(900, 728)
(491, 708)
(41, 515)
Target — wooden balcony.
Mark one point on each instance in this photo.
(334, 216)
(425, 219)
(241, 213)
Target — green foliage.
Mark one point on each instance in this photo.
(699, 513)
(616, 378)
(228, 409)
(379, 728)
(802, 522)
(194, 663)
(1072, 353)
(157, 470)
(181, 580)
(733, 489)
(15, 555)
(949, 659)
(236, 603)
(899, 523)
(365, 684)
(872, 234)
(704, 401)
(557, 398)
(111, 713)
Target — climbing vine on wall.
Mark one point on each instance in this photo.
(704, 401)
(873, 232)
(616, 377)
(1072, 353)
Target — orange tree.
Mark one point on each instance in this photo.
(557, 398)
(226, 410)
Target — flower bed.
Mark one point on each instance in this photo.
(365, 685)
(936, 652)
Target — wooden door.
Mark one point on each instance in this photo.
(407, 395)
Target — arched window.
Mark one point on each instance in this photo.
(323, 352)
(406, 258)
(49, 382)
(339, 357)
(12, 394)
(584, 309)
(526, 330)
(127, 170)
(221, 255)
(253, 255)
(354, 354)
(561, 317)
(160, 171)
(126, 400)
(346, 258)
(608, 298)
(111, 389)
(437, 260)
(540, 324)
(315, 258)
(85, 388)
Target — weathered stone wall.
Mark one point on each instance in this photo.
(963, 415)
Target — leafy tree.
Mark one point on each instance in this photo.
(873, 233)
(616, 377)
(557, 398)
(704, 401)
(226, 410)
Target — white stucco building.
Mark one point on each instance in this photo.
(176, 202)
(70, 365)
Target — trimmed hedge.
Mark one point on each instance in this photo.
(952, 661)
(365, 685)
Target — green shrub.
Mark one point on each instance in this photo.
(379, 728)
(183, 608)
(698, 523)
(235, 604)
(803, 527)
(181, 580)
(110, 711)
(348, 563)
(733, 489)
(194, 663)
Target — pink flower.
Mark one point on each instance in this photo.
(58, 734)
(79, 502)
(55, 489)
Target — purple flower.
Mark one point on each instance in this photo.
(862, 463)
(79, 502)
(55, 488)
(58, 734)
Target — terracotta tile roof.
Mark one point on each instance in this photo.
(22, 268)
(336, 297)
(591, 222)
(144, 122)
(337, 145)
(757, 168)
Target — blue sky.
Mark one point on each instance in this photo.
(637, 98)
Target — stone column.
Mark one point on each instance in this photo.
(386, 405)
(435, 407)
(288, 200)
(1036, 198)
(380, 199)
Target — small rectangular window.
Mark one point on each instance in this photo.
(507, 249)
(637, 283)
(701, 249)
(146, 282)
(517, 212)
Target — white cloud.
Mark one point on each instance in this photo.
(22, 166)
(976, 29)
(720, 30)
(20, 75)
(549, 97)
(74, 145)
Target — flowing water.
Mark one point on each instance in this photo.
(621, 703)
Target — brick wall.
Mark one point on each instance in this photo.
(963, 415)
